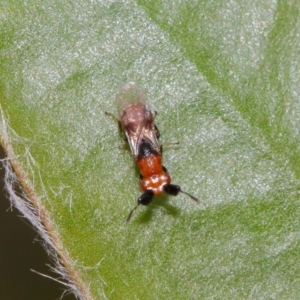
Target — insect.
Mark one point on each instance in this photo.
(136, 124)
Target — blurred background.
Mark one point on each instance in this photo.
(20, 252)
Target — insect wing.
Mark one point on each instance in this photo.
(146, 134)
(129, 93)
(136, 118)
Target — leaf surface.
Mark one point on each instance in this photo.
(224, 79)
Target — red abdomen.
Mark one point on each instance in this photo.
(153, 176)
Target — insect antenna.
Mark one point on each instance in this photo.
(131, 212)
(173, 190)
(191, 196)
(144, 199)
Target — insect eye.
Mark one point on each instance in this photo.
(172, 189)
(146, 198)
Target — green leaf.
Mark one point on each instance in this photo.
(224, 79)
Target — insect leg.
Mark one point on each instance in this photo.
(119, 124)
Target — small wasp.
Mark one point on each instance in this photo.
(136, 123)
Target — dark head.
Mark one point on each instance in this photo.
(147, 197)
